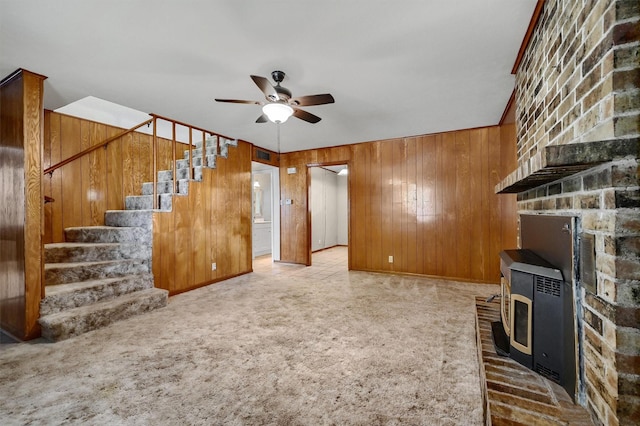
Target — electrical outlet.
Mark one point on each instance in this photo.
(390, 259)
(214, 266)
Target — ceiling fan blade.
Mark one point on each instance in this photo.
(238, 101)
(306, 116)
(313, 100)
(262, 119)
(266, 87)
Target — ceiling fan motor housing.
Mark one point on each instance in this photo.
(278, 76)
(284, 94)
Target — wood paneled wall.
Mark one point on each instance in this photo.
(508, 163)
(84, 189)
(428, 201)
(212, 224)
(21, 196)
(295, 221)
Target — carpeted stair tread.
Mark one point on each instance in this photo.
(166, 187)
(107, 234)
(167, 175)
(64, 273)
(139, 218)
(102, 274)
(73, 322)
(211, 162)
(145, 202)
(197, 152)
(72, 295)
(88, 252)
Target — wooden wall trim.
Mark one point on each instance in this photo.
(508, 115)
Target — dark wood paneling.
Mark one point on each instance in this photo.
(21, 223)
(12, 281)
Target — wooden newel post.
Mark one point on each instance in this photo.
(21, 194)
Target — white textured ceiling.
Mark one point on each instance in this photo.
(395, 68)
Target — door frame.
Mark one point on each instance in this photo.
(274, 173)
(309, 236)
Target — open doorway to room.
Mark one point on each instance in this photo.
(329, 210)
(265, 212)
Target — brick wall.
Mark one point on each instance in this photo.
(579, 82)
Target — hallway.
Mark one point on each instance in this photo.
(324, 264)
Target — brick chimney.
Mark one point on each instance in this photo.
(578, 129)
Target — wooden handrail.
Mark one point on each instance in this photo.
(93, 148)
(154, 151)
(191, 127)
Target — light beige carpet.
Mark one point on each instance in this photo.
(306, 348)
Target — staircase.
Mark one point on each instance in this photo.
(102, 274)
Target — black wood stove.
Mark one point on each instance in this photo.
(537, 317)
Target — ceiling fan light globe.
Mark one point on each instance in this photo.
(277, 112)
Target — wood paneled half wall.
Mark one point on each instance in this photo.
(419, 205)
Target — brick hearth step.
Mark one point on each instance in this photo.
(63, 273)
(62, 297)
(513, 394)
(94, 252)
(73, 322)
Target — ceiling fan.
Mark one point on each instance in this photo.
(279, 105)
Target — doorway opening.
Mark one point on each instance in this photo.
(265, 180)
(328, 207)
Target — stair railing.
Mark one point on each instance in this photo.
(104, 143)
(174, 142)
(154, 119)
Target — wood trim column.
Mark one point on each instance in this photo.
(21, 225)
